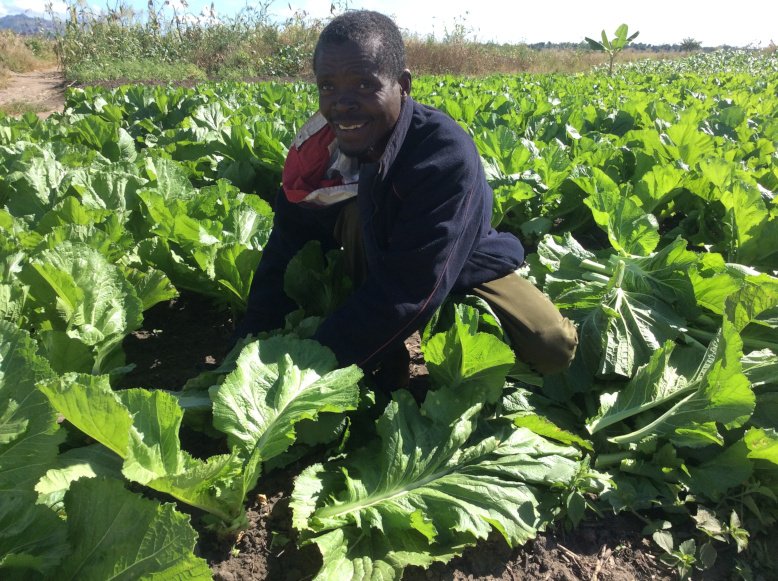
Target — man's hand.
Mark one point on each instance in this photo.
(394, 370)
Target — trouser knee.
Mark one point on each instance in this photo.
(552, 349)
(539, 334)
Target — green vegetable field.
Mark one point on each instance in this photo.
(647, 201)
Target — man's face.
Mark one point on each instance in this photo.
(360, 103)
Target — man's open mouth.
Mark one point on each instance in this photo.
(349, 126)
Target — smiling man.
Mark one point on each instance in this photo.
(400, 187)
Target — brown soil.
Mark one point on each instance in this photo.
(182, 337)
(42, 91)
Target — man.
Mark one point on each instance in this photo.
(401, 188)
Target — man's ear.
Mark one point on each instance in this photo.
(405, 82)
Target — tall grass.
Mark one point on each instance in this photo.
(246, 45)
(123, 44)
(20, 54)
(477, 59)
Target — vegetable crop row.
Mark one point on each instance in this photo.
(648, 200)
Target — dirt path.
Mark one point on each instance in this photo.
(43, 91)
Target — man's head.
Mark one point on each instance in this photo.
(367, 29)
(359, 63)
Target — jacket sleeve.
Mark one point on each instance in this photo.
(438, 221)
(293, 226)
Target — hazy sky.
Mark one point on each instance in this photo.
(659, 21)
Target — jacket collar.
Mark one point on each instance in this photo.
(397, 138)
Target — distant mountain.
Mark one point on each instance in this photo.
(23, 24)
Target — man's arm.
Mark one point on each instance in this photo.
(293, 226)
(440, 217)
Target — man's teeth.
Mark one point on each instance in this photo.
(348, 127)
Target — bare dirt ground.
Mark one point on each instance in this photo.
(40, 91)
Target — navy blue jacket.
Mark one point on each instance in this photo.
(425, 209)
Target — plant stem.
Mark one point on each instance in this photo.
(594, 266)
(612, 459)
(596, 277)
(747, 342)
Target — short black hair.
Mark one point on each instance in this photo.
(364, 27)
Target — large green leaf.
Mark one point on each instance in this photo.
(685, 142)
(83, 295)
(535, 412)
(152, 286)
(141, 427)
(762, 444)
(717, 392)
(210, 242)
(12, 303)
(119, 535)
(714, 281)
(112, 187)
(468, 367)
(276, 383)
(630, 229)
(234, 266)
(171, 260)
(618, 329)
(90, 404)
(625, 307)
(168, 179)
(106, 137)
(32, 186)
(29, 434)
(658, 185)
(728, 469)
(317, 282)
(665, 274)
(752, 233)
(32, 537)
(429, 489)
(359, 555)
(87, 462)
(654, 383)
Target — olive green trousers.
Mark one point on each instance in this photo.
(539, 334)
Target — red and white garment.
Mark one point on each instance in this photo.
(316, 172)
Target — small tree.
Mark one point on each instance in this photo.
(613, 46)
(690, 45)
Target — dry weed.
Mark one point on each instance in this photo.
(15, 54)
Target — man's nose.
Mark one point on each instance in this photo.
(346, 102)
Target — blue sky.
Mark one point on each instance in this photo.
(659, 21)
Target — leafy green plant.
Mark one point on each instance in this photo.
(686, 557)
(126, 534)
(439, 476)
(613, 46)
(655, 225)
(109, 532)
(275, 384)
(81, 324)
(720, 530)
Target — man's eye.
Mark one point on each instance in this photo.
(325, 87)
(365, 85)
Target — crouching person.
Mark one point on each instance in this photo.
(400, 186)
